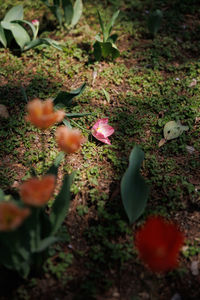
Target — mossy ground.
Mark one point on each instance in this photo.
(149, 85)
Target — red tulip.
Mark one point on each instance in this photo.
(159, 242)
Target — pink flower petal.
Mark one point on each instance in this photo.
(105, 141)
(101, 130)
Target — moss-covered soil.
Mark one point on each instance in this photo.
(149, 85)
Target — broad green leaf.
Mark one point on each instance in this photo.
(20, 34)
(97, 50)
(67, 97)
(42, 41)
(173, 129)
(106, 95)
(154, 21)
(110, 25)
(134, 190)
(108, 49)
(2, 37)
(102, 25)
(78, 9)
(61, 204)
(112, 38)
(54, 167)
(68, 11)
(30, 24)
(15, 13)
(57, 13)
(45, 243)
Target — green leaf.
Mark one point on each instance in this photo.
(43, 41)
(68, 11)
(110, 25)
(20, 34)
(57, 13)
(112, 38)
(154, 21)
(78, 9)
(107, 50)
(67, 123)
(30, 24)
(54, 167)
(15, 13)
(134, 190)
(45, 243)
(97, 50)
(61, 204)
(2, 37)
(66, 98)
(173, 129)
(106, 95)
(102, 25)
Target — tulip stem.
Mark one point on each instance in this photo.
(79, 126)
(43, 151)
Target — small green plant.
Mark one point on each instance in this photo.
(154, 21)
(65, 13)
(134, 189)
(11, 29)
(105, 48)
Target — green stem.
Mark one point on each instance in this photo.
(80, 126)
(43, 151)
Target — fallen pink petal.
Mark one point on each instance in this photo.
(101, 130)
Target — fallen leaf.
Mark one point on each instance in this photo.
(173, 129)
(190, 149)
(161, 143)
(193, 82)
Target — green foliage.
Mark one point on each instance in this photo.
(134, 189)
(26, 248)
(155, 21)
(11, 28)
(65, 12)
(106, 48)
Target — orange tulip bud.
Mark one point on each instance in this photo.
(37, 192)
(11, 216)
(69, 140)
(41, 114)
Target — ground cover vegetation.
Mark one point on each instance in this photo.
(133, 125)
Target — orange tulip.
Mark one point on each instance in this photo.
(41, 114)
(11, 216)
(69, 140)
(37, 192)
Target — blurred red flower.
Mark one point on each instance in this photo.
(159, 242)
(42, 115)
(69, 140)
(37, 192)
(11, 216)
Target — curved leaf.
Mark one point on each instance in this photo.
(68, 11)
(61, 204)
(111, 24)
(173, 129)
(20, 34)
(154, 21)
(2, 37)
(67, 97)
(134, 190)
(78, 9)
(44, 41)
(15, 13)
